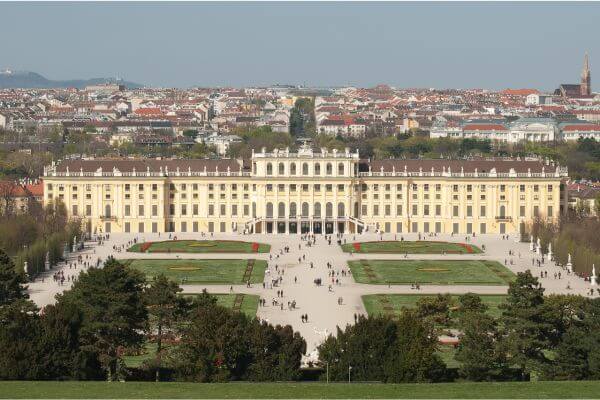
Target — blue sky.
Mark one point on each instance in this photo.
(442, 45)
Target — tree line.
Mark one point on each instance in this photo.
(113, 311)
(40, 232)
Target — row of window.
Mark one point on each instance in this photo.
(281, 169)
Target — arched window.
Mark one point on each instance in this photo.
(317, 211)
(107, 210)
(305, 209)
(281, 210)
(269, 210)
(305, 169)
(281, 169)
(341, 210)
(502, 211)
(329, 169)
(329, 210)
(269, 169)
(317, 169)
(341, 169)
(292, 210)
(293, 169)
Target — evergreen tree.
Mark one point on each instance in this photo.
(165, 308)
(114, 315)
(525, 328)
(11, 283)
(480, 352)
(20, 331)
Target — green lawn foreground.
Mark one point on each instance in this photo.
(432, 272)
(374, 304)
(411, 247)
(202, 271)
(179, 390)
(200, 246)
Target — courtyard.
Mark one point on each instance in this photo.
(297, 270)
(206, 271)
(434, 272)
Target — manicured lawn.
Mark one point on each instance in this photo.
(249, 304)
(201, 246)
(434, 272)
(411, 247)
(207, 271)
(394, 303)
(177, 390)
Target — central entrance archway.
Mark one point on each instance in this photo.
(328, 228)
(317, 227)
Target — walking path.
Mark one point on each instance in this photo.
(321, 305)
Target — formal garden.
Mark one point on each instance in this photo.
(200, 246)
(411, 247)
(434, 272)
(202, 271)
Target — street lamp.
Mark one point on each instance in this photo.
(349, 370)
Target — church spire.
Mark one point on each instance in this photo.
(586, 87)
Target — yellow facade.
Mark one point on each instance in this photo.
(321, 192)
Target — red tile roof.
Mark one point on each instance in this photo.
(484, 127)
(582, 127)
(520, 92)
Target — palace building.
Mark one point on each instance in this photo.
(308, 191)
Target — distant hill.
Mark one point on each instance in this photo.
(32, 80)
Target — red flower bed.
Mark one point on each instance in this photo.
(356, 246)
(255, 247)
(467, 247)
(145, 246)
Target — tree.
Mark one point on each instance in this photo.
(11, 283)
(578, 353)
(212, 348)
(19, 332)
(380, 349)
(470, 302)
(480, 351)
(436, 309)
(413, 358)
(113, 311)
(525, 329)
(218, 344)
(165, 308)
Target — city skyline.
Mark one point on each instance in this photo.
(312, 44)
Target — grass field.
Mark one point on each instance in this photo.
(249, 304)
(394, 303)
(149, 390)
(411, 247)
(200, 246)
(434, 272)
(202, 271)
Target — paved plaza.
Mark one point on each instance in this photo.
(320, 303)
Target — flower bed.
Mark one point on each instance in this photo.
(356, 246)
(145, 246)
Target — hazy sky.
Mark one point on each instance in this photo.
(461, 45)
